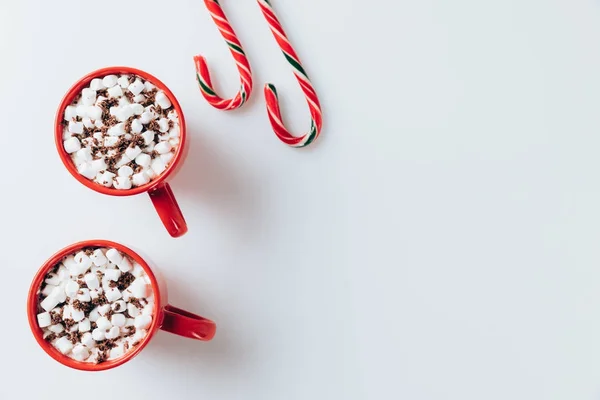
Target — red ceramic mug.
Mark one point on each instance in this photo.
(159, 190)
(165, 316)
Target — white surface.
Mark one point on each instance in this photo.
(440, 240)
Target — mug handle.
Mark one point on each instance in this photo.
(168, 210)
(184, 323)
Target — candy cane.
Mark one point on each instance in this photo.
(309, 91)
(203, 75)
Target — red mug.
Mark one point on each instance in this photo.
(165, 316)
(159, 190)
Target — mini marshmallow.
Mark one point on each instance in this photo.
(85, 325)
(115, 91)
(103, 309)
(64, 345)
(140, 98)
(88, 123)
(124, 101)
(118, 306)
(133, 152)
(44, 319)
(84, 295)
(59, 293)
(150, 172)
(63, 273)
(87, 339)
(98, 124)
(136, 126)
(83, 155)
(113, 294)
(118, 320)
(77, 315)
(123, 81)
(76, 127)
(129, 322)
(80, 352)
(110, 141)
(124, 113)
(86, 170)
(95, 113)
(136, 87)
(83, 260)
(67, 312)
(98, 335)
(143, 160)
(132, 310)
(113, 111)
(138, 288)
(140, 179)
(172, 115)
(142, 321)
(96, 84)
(164, 137)
(146, 117)
(94, 294)
(163, 125)
(98, 257)
(148, 87)
(91, 280)
(148, 137)
(110, 81)
(88, 97)
(117, 351)
(94, 315)
(106, 179)
(175, 132)
(158, 166)
(74, 328)
(70, 113)
(47, 290)
(123, 183)
(163, 147)
(113, 333)
(81, 110)
(138, 109)
(124, 265)
(100, 100)
(103, 323)
(50, 301)
(124, 160)
(71, 288)
(52, 279)
(114, 255)
(58, 328)
(117, 130)
(112, 274)
(162, 100)
(125, 170)
(72, 145)
(166, 158)
(98, 165)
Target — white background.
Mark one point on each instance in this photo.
(439, 241)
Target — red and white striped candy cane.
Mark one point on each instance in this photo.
(309, 91)
(203, 75)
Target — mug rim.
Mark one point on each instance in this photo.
(32, 306)
(66, 158)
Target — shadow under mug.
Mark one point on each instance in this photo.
(165, 316)
(159, 190)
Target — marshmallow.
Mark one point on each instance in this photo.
(83, 155)
(71, 288)
(123, 183)
(164, 137)
(84, 295)
(72, 145)
(136, 126)
(98, 257)
(115, 91)
(105, 179)
(77, 315)
(86, 170)
(100, 100)
(175, 132)
(87, 339)
(113, 294)
(148, 86)
(133, 152)
(88, 97)
(98, 124)
(88, 123)
(124, 113)
(125, 170)
(98, 335)
(150, 172)
(129, 322)
(112, 274)
(94, 315)
(172, 115)
(109, 81)
(117, 351)
(44, 319)
(47, 290)
(138, 109)
(123, 81)
(85, 325)
(103, 309)
(166, 158)
(96, 84)
(80, 352)
(50, 301)
(162, 100)
(132, 310)
(158, 166)
(67, 312)
(70, 113)
(143, 160)
(52, 279)
(140, 98)
(98, 165)
(140, 179)
(63, 273)
(138, 288)
(64, 345)
(136, 87)
(58, 328)
(76, 127)
(124, 101)
(95, 113)
(113, 111)
(124, 160)
(142, 321)
(83, 260)
(94, 293)
(114, 255)
(110, 141)
(117, 130)
(103, 323)
(162, 147)
(91, 280)
(82, 110)
(74, 328)
(146, 117)
(118, 306)
(163, 125)
(124, 265)
(118, 320)
(113, 333)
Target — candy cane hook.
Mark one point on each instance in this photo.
(243, 66)
(271, 93)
